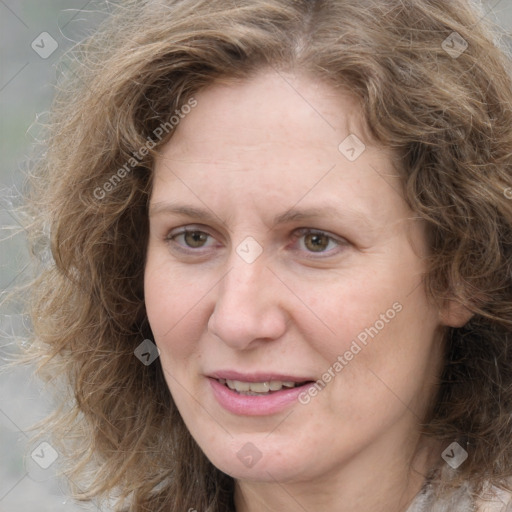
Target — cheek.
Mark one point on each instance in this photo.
(386, 361)
(339, 312)
(376, 321)
(173, 305)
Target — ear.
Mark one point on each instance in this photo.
(454, 314)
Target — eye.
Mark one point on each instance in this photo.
(315, 241)
(189, 238)
(195, 239)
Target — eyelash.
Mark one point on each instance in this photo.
(297, 235)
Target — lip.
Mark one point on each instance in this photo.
(264, 405)
(257, 376)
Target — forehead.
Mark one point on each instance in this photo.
(272, 142)
(268, 112)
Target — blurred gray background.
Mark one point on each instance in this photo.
(33, 35)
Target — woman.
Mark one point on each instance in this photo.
(282, 258)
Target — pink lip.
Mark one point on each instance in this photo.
(248, 405)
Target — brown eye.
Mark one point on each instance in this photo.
(316, 242)
(312, 241)
(191, 241)
(195, 239)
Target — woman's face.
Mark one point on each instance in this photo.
(301, 263)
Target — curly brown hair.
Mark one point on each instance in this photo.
(447, 117)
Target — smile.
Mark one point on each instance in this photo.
(259, 388)
(256, 398)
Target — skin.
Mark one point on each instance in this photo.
(248, 152)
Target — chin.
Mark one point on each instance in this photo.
(266, 469)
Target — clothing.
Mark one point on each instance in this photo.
(461, 500)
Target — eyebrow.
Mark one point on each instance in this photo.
(179, 209)
(291, 215)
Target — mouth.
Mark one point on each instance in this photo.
(263, 388)
(256, 394)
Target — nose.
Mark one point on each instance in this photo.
(249, 305)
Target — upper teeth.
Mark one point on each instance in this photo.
(258, 387)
